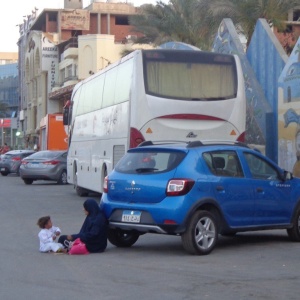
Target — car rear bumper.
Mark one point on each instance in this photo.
(167, 216)
(137, 227)
(5, 168)
(40, 174)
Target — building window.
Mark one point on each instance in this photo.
(69, 71)
(288, 29)
(296, 15)
(52, 17)
(121, 20)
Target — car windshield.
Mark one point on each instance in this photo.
(149, 162)
(45, 155)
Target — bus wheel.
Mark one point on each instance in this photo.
(121, 238)
(81, 192)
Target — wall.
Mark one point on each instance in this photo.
(96, 51)
(289, 114)
(228, 41)
(267, 59)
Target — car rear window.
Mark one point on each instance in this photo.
(45, 155)
(149, 162)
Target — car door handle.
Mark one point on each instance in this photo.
(259, 190)
(220, 188)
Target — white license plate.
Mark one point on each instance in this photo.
(34, 165)
(131, 216)
(2, 169)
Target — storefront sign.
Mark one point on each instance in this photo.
(75, 19)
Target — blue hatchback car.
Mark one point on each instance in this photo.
(198, 191)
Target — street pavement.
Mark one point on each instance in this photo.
(261, 265)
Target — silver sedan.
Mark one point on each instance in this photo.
(45, 165)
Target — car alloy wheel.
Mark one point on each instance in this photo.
(201, 234)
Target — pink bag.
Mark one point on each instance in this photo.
(78, 247)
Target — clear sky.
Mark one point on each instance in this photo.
(12, 12)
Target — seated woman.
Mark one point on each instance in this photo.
(94, 229)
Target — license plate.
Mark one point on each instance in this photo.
(34, 165)
(2, 169)
(131, 216)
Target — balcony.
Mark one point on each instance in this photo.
(71, 49)
(71, 53)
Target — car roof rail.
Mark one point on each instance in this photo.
(162, 142)
(145, 143)
(225, 142)
(194, 144)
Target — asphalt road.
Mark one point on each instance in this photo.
(261, 265)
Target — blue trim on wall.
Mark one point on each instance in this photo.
(268, 58)
(228, 41)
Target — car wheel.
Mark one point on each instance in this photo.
(201, 234)
(63, 179)
(294, 232)
(121, 238)
(4, 173)
(28, 181)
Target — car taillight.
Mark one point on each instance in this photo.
(51, 162)
(105, 185)
(135, 137)
(16, 158)
(178, 187)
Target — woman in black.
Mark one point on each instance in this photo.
(94, 228)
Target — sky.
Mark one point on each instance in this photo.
(12, 12)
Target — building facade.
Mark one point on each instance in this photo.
(288, 38)
(60, 47)
(9, 98)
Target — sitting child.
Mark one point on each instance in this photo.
(48, 236)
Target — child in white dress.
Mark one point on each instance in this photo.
(47, 236)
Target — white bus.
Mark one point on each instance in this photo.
(156, 95)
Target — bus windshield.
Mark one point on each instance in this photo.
(190, 75)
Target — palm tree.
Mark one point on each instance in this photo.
(246, 12)
(179, 20)
(196, 21)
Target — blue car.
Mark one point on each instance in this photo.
(198, 191)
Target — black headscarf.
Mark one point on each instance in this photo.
(92, 207)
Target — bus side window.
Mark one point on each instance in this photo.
(109, 87)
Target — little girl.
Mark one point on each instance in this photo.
(48, 236)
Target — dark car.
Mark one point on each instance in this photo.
(198, 191)
(45, 165)
(10, 162)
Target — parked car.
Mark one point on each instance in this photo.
(45, 165)
(198, 191)
(10, 162)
